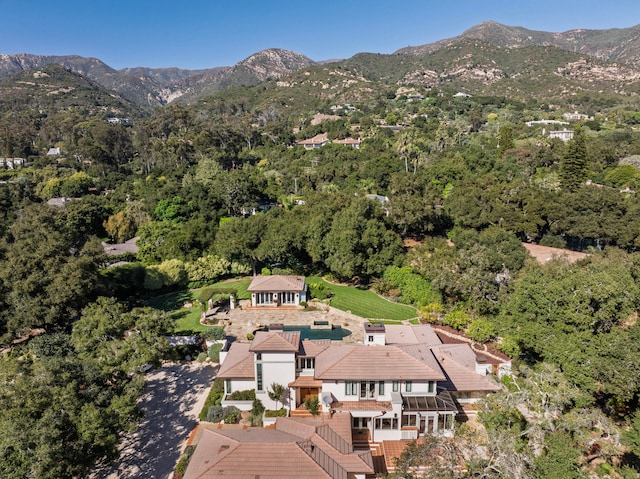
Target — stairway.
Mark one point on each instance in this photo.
(377, 453)
(299, 413)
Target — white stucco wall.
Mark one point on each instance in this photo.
(279, 368)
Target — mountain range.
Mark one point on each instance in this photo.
(488, 58)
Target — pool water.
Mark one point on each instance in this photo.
(336, 333)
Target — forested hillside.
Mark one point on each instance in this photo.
(220, 187)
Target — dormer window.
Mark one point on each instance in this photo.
(306, 363)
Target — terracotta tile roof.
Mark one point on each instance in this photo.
(238, 364)
(295, 448)
(461, 378)
(411, 334)
(422, 352)
(461, 353)
(345, 406)
(316, 140)
(359, 362)
(219, 456)
(271, 341)
(311, 348)
(277, 283)
(347, 141)
(306, 382)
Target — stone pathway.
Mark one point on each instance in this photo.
(239, 322)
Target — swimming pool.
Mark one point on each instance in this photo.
(335, 333)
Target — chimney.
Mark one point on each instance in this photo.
(374, 334)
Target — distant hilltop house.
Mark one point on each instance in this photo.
(565, 135)
(401, 383)
(352, 142)
(346, 106)
(277, 291)
(53, 151)
(119, 121)
(12, 163)
(575, 116)
(546, 122)
(462, 95)
(321, 139)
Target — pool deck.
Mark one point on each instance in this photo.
(240, 322)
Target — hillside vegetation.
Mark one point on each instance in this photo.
(455, 168)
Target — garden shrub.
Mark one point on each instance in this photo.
(202, 357)
(214, 398)
(319, 290)
(282, 412)
(414, 288)
(214, 352)
(229, 414)
(246, 395)
(481, 330)
(432, 312)
(214, 333)
(457, 319)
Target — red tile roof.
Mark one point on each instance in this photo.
(295, 448)
(238, 364)
(411, 334)
(276, 283)
(279, 342)
(359, 362)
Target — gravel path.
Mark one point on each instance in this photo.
(172, 400)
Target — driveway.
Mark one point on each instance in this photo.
(172, 399)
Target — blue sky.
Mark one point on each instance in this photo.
(207, 33)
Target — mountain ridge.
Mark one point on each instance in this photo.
(435, 63)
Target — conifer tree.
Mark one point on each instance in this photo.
(573, 165)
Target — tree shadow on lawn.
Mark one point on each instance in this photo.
(170, 302)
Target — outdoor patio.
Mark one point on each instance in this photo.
(240, 321)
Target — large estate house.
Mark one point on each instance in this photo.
(401, 382)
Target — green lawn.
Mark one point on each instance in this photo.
(188, 319)
(365, 303)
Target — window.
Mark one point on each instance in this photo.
(396, 386)
(306, 363)
(408, 385)
(432, 386)
(370, 339)
(367, 389)
(410, 420)
(264, 298)
(259, 376)
(258, 356)
(448, 422)
(350, 388)
(381, 388)
(386, 423)
(227, 386)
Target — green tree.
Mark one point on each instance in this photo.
(276, 393)
(573, 165)
(505, 140)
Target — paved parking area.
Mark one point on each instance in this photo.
(173, 397)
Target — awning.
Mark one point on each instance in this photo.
(306, 382)
(440, 402)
